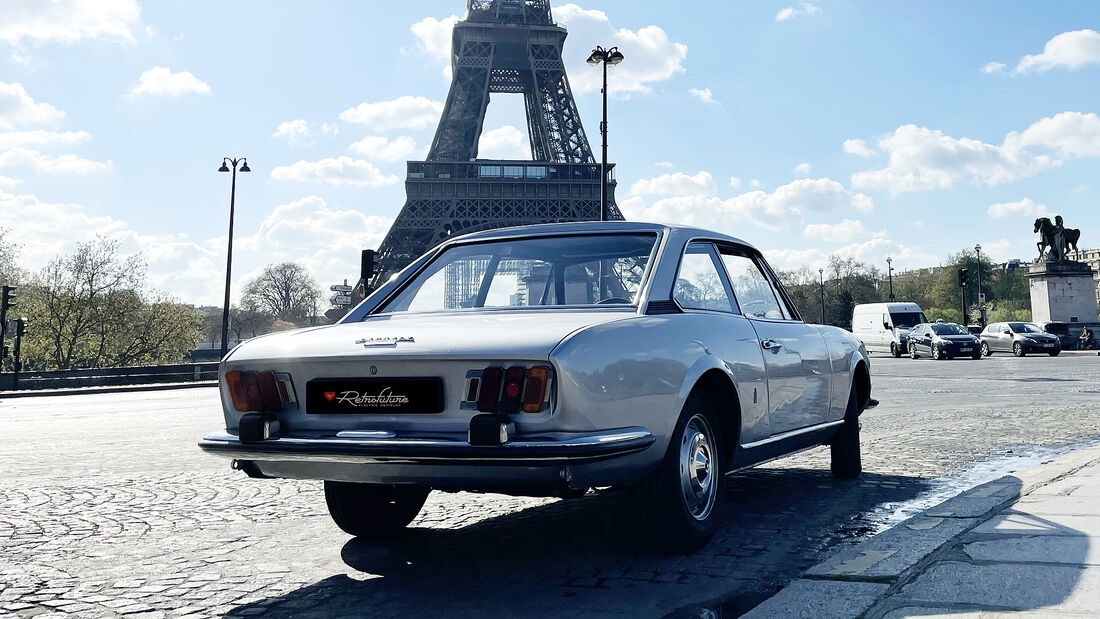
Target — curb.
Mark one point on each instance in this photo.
(853, 580)
(114, 389)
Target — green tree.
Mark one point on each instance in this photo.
(10, 273)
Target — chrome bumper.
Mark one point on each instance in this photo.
(573, 448)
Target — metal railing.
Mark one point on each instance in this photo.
(111, 377)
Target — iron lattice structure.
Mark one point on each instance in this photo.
(503, 46)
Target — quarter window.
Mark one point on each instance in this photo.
(699, 284)
(752, 289)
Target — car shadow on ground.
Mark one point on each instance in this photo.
(583, 556)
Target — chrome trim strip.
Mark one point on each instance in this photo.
(792, 434)
(366, 434)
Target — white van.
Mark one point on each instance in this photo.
(884, 327)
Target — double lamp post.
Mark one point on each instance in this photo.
(226, 162)
(612, 57)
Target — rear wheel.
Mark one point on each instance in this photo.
(1018, 350)
(985, 349)
(680, 498)
(376, 511)
(846, 461)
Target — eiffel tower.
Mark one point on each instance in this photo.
(503, 46)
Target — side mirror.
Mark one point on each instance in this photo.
(887, 326)
(1007, 331)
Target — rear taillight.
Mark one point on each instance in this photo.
(261, 392)
(510, 390)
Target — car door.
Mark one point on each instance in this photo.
(924, 341)
(795, 356)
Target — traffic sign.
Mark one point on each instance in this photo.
(981, 297)
(340, 299)
(341, 288)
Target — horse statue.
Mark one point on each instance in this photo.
(1057, 237)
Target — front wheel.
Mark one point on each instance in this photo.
(985, 349)
(680, 498)
(1054, 353)
(913, 352)
(844, 448)
(895, 350)
(1018, 350)
(977, 354)
(937, 354)
(376, 511)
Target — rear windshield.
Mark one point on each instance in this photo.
(907, 320)
(949, 329)
(583, 270)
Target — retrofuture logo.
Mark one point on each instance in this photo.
(385, 340)
(385, 398)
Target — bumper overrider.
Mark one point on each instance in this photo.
(522, 451)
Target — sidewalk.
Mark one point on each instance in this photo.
(1026, 542)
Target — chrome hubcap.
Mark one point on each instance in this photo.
(697, 468)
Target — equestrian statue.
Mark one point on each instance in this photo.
(1057, 237)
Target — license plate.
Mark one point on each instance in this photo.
(375, 396)
(965, 349)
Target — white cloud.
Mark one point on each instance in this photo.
(990, 68)
(676, 184)
(704, 95)
(663, 164)
(876, 250)
(342, 170)
(858, 148)
(67, 21)
(804, 8)
(754, 183)
(803, 169)
(16, 139)
(434, 35)
(1021, 208)
(735, 182)
(846, 231)
(998, 250)
(401, 113)
(379, 148)
(18, 109)
(302, 132)
(161, 81)
(650, 55)
(67, 163)
(507, 142)
(44, 229)
(776, 210)
(1069, 50)
(922, 159)
(787, 258)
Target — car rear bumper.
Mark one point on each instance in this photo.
(586, 447)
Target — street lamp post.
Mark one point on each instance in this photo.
(229, 256)
(605, 57)
(821, 275)
(981, 306)
(890, 275)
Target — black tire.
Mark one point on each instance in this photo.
(986, 350)
(846, 462)
(913, 352)
(674, 525)
(977, 354)
(1018, 350)
(374, 511)
(894, 350)
(1054, 353)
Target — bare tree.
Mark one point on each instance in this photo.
(286, 291)
(10, 273)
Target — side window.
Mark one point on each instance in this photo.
(699, 284)
(752, 289)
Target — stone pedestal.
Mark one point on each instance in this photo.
(1062, 292)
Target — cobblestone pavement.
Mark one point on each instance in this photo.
(107, 508)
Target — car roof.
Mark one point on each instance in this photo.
(582, 227)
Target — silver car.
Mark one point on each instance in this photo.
(547, 360)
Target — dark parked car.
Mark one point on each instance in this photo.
(943, 340)
(1062, 332)
(1019, 338)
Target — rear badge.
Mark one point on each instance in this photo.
(384, 341)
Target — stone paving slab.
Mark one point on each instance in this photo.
(812, 599)
(1037, 549)
(1010, 587)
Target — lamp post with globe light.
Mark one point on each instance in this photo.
(229, 257)
(890, 275)
(605, 57)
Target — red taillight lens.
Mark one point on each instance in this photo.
(490, 390)
(535, 392)
(513, 387)
(254, 391)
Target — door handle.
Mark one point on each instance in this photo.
(770, 344)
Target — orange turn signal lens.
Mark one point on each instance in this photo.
(534, 393)
(236, 391)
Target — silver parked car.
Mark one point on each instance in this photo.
(1019, 338)
(547, 360)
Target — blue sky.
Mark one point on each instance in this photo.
(864, 128)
